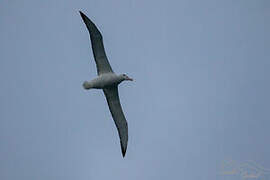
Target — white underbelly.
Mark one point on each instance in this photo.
(103, 81)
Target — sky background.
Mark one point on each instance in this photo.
(200, 95)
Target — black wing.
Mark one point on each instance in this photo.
(118, 115)
(102, 63)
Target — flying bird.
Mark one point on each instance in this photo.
(108, 81)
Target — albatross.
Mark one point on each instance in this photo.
(108, 81)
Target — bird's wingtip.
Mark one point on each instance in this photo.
(81, 13)
(123, 151)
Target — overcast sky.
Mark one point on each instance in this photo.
(200, 95)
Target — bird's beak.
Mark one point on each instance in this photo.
(129, 79)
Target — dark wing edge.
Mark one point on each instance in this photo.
(102, 63)
(113, 101)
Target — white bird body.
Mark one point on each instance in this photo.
(103, 81)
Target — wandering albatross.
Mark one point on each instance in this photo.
(108, 81)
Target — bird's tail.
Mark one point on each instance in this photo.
(86, 85)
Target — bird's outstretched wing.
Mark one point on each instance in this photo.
(102, 63)
(118, 115)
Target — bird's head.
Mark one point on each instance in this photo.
(124, 77)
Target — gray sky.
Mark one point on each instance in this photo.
(200, 96)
